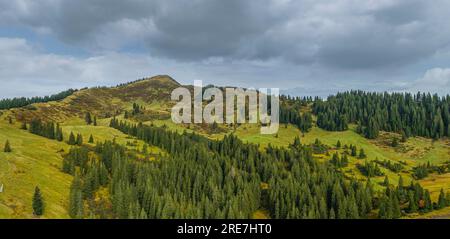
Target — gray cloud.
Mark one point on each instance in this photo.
(314, 44)
(344, 34)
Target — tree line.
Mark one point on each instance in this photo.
(290, 112)
(409, 114)
(23, 101)
(48, 130)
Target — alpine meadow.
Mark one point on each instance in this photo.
(224, 109)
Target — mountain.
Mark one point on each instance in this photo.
(260, 177)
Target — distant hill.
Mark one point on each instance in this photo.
(101, 101)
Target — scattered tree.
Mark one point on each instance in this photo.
(38, 202)
(7, 148)
(88, 118)
(72, 140)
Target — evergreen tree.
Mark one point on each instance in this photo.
(76, 205)
(91, 139)
(38, 202)
(24, 126)
(59, 133)
(413, 207)
(7, 148)
(396, 212)
(88, 118)
(353, 150)
(385, 211)
(428, 203)
(72, 140)
(447, 198)
(95, 120)
(79, 140)
(442, 201)
(401, 183)
(386, 181)
(362, 154)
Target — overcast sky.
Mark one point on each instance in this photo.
(313, 47)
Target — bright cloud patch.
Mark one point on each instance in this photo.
(435, 80)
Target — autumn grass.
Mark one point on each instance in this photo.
(102, 133)
(413, 152)
(437, 214)
(261, 214)
(34, 161)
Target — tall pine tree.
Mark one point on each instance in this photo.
(38, 202)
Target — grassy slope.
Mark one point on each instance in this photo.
(103, 132)
(414, 152)
(35, 161)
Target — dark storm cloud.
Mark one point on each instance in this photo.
(345, 34)
(202, 29)
(402, 12)
(399, 33)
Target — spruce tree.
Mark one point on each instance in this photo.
(91, 139)
(7, 148)
(383, 212)
(79, 140)
(76, 206)
(88, 118)
(59, 134)
(401, 183)
(386, 181)
(442, 201)
(396, 212)
(413, 207)
(362, 154)
(72, 140)
(353, 148)
(428, 202)
(447, 198)
(332, 214)
(38, 202)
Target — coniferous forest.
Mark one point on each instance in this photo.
(409, 114)
(224, 179)
(22, 101)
